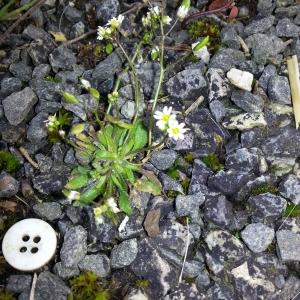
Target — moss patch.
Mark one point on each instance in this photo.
(292, 211)
(212, 161)
(262, 189)
(9, 162)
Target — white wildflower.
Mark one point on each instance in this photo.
(115, 23)
(146, 20)
(155, 53)
(155, 10)
(176, 130)
(163, 117)
(123, 224)
(101, 33)
(73, 195)
(166, 20)
(183, 9)
(98, 211)
(111, 202)
(85, 83)
(62, 133)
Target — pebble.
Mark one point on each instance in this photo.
(240, 79)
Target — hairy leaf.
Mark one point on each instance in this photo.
(124, 203)
(77, 182)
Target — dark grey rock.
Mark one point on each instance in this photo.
(21, 71)
(41, 71)
(64, 226)
(124, 254)
(297, 19)
(264, 47)
(187, 84)
(62, 58)
(220, 291)
(290, 188)
(218, 210)
(46, 90)
(170, 184)
(184, 291)
(98, 263)
(291, 288)
(128, 109)
(64, 272)
(70, 157)
(9, 186)
(44, 162)
(226, 58)
(265, 7)
(10, 85)
(279, 90)
(78, 29)
(49, 210)
(229, 37)
(288, 244)
(18, 283)
(269, 71)
(18, 105)
(259, 25)
(74, 214)
(107, 9)
(267, 207)
(229, 182)
(257, 237)
(37, 130)
(217, 109)
(286, 28)
(164, 159)
(247, 101)
(74, 247)
(50, 287)
(218, 84)
(73, 14)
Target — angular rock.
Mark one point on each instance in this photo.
(240, 79)
(62, 58)
(259, 25)
(18, 105)
(290, 188)
(269, 71)
(9, 186)
(18, 283)
(187, 84)
(48, 210)
(37, 130)
(279, 90)
(74, 247)
(124, 254)
(21, 71)
(286, 28)
(247, 101)
(10, 85)
(267, 206)
(257, 237)
(229, 37)
(97, 263)
(170, 184)
(107, 9)
(288, 244)
(164, 159)
(246, 121)
(64, 272)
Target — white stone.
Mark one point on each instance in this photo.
(246, 121)
(29, 244)
(202, 53)
(240, 79)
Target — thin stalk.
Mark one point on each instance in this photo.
(17, 11)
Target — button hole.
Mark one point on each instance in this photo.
(34, 250)
(23, 249)
(37, 239)
(26, 238)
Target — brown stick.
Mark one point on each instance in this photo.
(25, 153)
(80, 37)
(21, 19)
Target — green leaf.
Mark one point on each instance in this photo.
(77, 182)
(140, 136)
(129, 175)
(126, 148)
(69, 98)
(118, 122)
(124, 203)
(101, 138)
(108, 132)
(292, 211)
(109, 48)
(94, 93)
(105, 155)
(119, 181)
(201, 44)
(89, 195)
(77, 128)
(148, 186)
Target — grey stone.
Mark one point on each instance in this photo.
(124, 254)
(44, 162)
(265, 7)
(41, 71)
(18, 105)
(170, 184)
(229, 182)
(247, 101)
(49, 210)
(219, 291)
(74, 247)
(218, 84)
(218, 210)
(97, 263)
(229, 37)
(245, 121)
(18, 283)
(288, 244)
(37, 130)
(74, 214)
(189, 205)
(187, 84)
(78, 29)
(267, 207)
(217, 109)
(291, 288)
(163, 159)
(290, 188)
(21, 71)
(62, 58)
(269, 71)
(226, 58)
(50, 287)
(10, 85)
(264, 47)
(46, 90)
(73, 14)
(297, 19)
(107, 9)
(9, 186)
(128, 109)
(257, 237)
(286, 28)
(279, 90)
(259, 25)
(64, 272)
(184, 291)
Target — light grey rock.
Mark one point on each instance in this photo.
(74, 247)
(290, 188)
(187, 84)
(259, 25)
(18, 283)
(288, 244)
(240, 79)
(9, 186)
(265, 7)
(48, 210)
(279, 90)
(247, 101)
(164, 159)
(21, 71)
(41, 71)
(217, 109)
(128, 109)
(64, 272)
(97, 263)
(10, 85)
(44, 162)
(62, 58)
(124, 254)
(257, 237)
(286, 28)
(170, 184)
(107, 9)
(49, 286)
(229, 37)
(73, 14)
(18, 105)
(245, 121)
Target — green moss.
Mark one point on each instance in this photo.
(190, 280)
(204, 28)
(51, 79)
(87, 286)
(212, 162)
(6, 296)
(9, 162)
(262, 189)
(292, 211)
(189, 158)
(172, 194)
(185, 184)
(142, 283)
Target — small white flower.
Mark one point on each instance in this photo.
(73, 195)
(163, 117)
(112, 205)
(72, 4)
(123, 224)
(101, 33)
(99, 220)
(52, 121)
(166, 20)
(155, 10)
(115, 23)
(155, 53)
(98, 211)
(176, 130)
(62, 133)
(85, 83)
(182, 12)
(146, 20)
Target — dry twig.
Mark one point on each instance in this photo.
(25, 153)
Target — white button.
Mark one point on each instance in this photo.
(29, 244)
